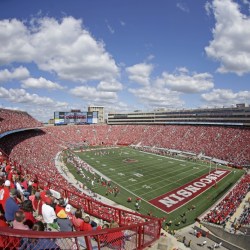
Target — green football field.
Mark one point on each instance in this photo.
(146, 175)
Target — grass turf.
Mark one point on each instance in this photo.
(144, 175)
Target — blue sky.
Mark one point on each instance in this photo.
(123, 55)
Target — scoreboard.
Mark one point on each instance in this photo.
(65, 118)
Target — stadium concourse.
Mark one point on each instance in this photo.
(28, 170)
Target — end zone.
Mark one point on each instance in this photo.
(180, 196)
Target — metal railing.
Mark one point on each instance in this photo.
(137, 236)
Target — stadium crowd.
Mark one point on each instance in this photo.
(245, 216)
(12, 120)
(227, 207)
(225, 143)
(228, 144)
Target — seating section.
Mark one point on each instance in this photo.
(228, 144)
(12, 120)
(227, 207)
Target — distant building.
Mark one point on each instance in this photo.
(233, 116)
(51, 121)
(100, 110)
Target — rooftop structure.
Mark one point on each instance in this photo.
(234, 116)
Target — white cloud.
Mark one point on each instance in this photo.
(247, 2)
(40, 83)
(166, 90)
(140, 73)
(15, 43)
(182, 6)
(150, 57)
(157, 97)
(231, 34)
(62, 47)
(21, 96)
(184, 82)
(109, 86)
(226, 97)
(208, 8)
(122, 23)
(111, 30)
(92, 94)
(118, 107)
(16, 74)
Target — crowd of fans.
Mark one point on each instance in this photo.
(225, 143)
(245, 216)
(227, 207)
(12, 120)
(32, 208)
(228, 144)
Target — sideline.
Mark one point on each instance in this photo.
(63, 170)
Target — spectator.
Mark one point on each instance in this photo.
(27, 208)
(35, 184)
(60, 205)
(115, 240)
(48, 212)
(2, 238)
(20, 188)
(63, 221)
(86, 226)
(46, 195)
(4, 195)
(42, 243)
(77, 219)
(102, 237)
(68, 209)
(18, 223)
(11, 206)
(36, 203)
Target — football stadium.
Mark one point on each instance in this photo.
(134, 185)
(125, 125)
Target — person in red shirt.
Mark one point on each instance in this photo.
(5, 194)
(102, 237)
(35, 184)
(86, 226)
(3, 223)
(77, 219)
(115, 240)
(27, 208)
(46, 195)
(11, 174)
(7, 168)
(37, 203)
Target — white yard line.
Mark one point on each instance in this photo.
(170, 183)
(162, 156)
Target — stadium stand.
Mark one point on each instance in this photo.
(227, 207)
(12, 120)
(228, 144)
(30, 158)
